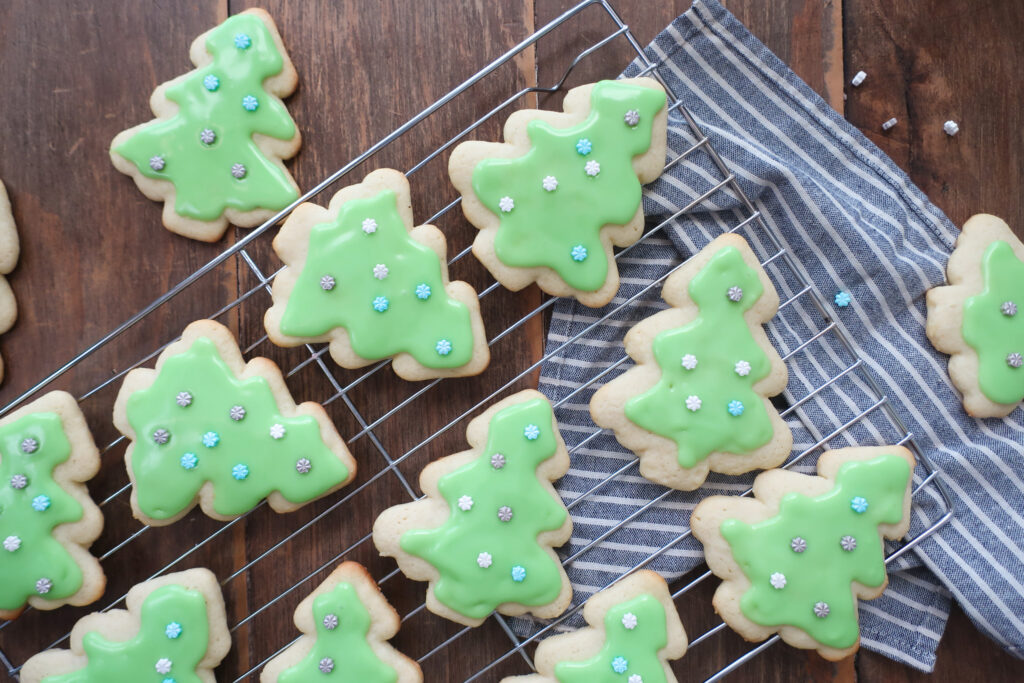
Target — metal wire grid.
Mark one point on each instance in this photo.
(780, 259)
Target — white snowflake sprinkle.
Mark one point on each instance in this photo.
(465, 503)
(161, 436)
(237, 413)
(635, 678)
(326, 665)
(821, 609)
(327, 283)
(777, 580)
(689, 361)
(163, 665)
(632, 117)
(1009, 308)
(798, 545)
(43, 586)
(369, 226)
(238, 171)
(207, 136)
(277, 431)
(157, 163)
(735, 294)
(12, 543)
(497, 461)
(592, 168)
(19, 481)
(1015, 360)
(330, 622)
(506, 204)
(484, 560)
(693, 403)
(848, 543)
(742, 368)
(629, 621)
(183, 399)
(380, 271)
(29, 445)
(303, 465)
(505, 513)
(550, 183)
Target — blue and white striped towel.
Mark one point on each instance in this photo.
(854, 222)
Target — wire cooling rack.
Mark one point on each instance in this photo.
(339, 388)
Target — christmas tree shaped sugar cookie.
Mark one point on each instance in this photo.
(47, 519)
(346, 623)
(978, 319)
(213, 154)
(174, 630)
(796, 558)
(484, 533)
(207, 426)
(9, 249)
(634, 630)
(552, 200)
(360, 276)
(697, 399)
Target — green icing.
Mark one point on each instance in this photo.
(824, 571)
(454, 547)
(718, 338)
(39, 555)
(993, 334)
(202, 173)
(634, 651)
(345, 647)
(416, 321)
(136, 660)
(544, 227)
(165, 486)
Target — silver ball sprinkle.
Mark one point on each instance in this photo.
(207, 136)
(43, 586)
(821, 609)
(1009, 308)
(183, 399)
(330, 621)
(735, 294)
(161, 436)
(798, 545)
(237, 413)
(632, 117)
(327, 283)
(157, 162)
(1015, 360)
(497, 461)
(238, 171)
(848, 543)
(303, 465)
(19, 481)
(505, 513)
(326, 665)
(29, 445)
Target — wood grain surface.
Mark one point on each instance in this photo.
(76, 72)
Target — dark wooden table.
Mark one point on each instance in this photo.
(75, 72)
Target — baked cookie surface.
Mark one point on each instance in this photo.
(214, 153)
(978, 318)
(697, 399)
(552, 200)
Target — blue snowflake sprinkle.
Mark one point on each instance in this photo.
(250, 103)
(380, 304)
(173, 630)
(211, 82)
(518, 573)
(169, 680)
(444, 347)
(189, 461)
(583, 146)
(211, 439)
(242, 41)
(735, 408)
(423, 291)
(42, 502)
(531, 432)
(619, 665)
(843, 299)
(579, 253)
(859, 505)
(240, 472)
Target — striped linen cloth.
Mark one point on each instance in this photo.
(854, 222)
